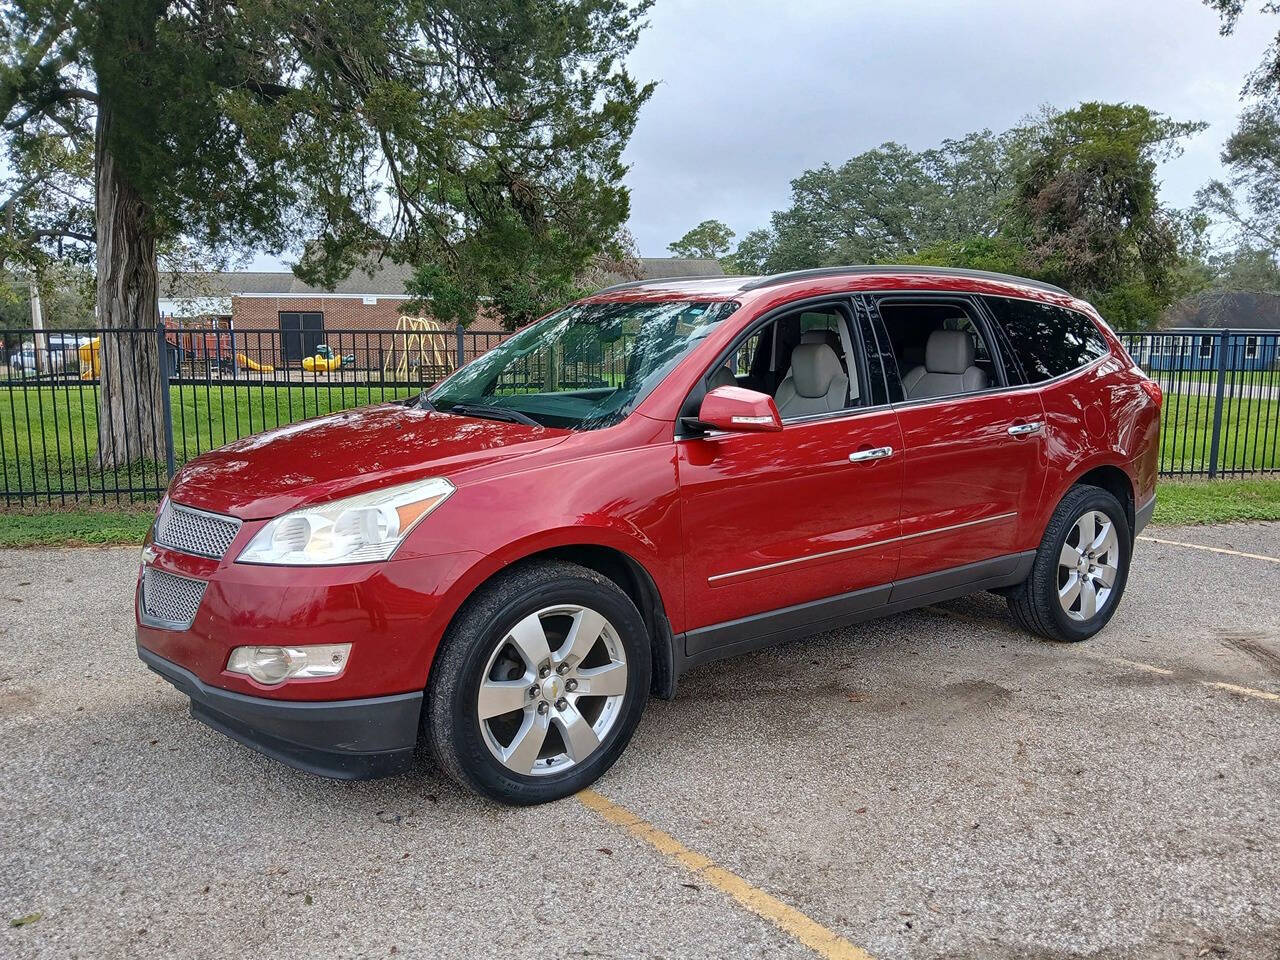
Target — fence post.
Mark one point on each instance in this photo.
(163, 344)
(1224, 345)
(461, 345)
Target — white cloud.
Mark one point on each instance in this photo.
(752, 93)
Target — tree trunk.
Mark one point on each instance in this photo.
(130, 416)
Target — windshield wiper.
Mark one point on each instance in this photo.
(422, 403)
(493, 413)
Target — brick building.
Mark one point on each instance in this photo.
(274, 319)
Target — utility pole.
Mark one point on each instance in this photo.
(37, 324)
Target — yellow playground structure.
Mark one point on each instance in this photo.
(90, 359)
(418, 342)
(250, 364)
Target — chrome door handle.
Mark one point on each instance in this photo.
(1022, 429)
(875, 453)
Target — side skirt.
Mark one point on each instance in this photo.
(722, 640)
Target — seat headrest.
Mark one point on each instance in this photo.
(813, 368)
(829, 337)
(948, 351)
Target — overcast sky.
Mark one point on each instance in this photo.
(752, 92)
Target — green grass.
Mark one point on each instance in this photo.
(1216, 501)
(1250, 438)
(49, 437)
(74, 527)
(1177, 502)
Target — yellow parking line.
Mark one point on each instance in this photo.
(1217, 684)
(1201, 546)
(1139, 665)
(1243, 691)
(823, 942)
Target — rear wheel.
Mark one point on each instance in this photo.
(1080, 569)
(539, 683)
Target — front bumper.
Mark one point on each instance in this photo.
(344, 739)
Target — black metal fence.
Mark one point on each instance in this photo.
(1221, 408)
(1221, 414)
(220, 386)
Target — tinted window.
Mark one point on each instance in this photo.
(584, 367)
(1047, 341)
(940, 347)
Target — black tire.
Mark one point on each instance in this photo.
(452, 727)
(1034, 602)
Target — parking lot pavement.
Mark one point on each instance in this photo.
(932, 785)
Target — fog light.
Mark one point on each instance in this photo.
(275, 665)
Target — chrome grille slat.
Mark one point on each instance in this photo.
(169, 598)
(195, 531)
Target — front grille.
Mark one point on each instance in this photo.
(170, 598)
(195, 531)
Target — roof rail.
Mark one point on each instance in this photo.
(632, 284)
(857, 270)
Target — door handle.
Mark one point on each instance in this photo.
(874, 453)
(1022, 429)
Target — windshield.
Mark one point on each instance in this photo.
(585, 367)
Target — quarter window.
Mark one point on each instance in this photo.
(1047, 341)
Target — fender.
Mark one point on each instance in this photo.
(658, 592)
(1060, 483)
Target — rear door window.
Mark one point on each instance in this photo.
(1047, 341)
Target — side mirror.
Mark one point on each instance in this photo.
(739, 410)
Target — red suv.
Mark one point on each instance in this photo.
(655, 477)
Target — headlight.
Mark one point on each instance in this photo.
(273, 665)
(355, 530)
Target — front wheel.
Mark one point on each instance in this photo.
(1080, 570)
(538, 684)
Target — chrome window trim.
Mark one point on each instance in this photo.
(861, 546)
(1016, 388)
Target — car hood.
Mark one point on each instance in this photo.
(346, 453)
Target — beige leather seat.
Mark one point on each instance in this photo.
(816, 383)
(948, 368)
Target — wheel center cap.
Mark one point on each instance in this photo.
(553, 687)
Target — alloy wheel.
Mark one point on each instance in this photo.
(552, 690)
(1087, 566)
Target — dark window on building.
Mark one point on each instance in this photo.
(1047, 341)
(300, 334)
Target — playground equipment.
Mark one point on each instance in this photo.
(90, 359)
(417, 342)
(326, 360)
(245, 362)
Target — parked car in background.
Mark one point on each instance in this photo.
(658, 476)
(59, 354)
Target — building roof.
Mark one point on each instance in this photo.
(1220, 309)
(383, 280)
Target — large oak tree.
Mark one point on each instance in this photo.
(479, 141)
(1249, 200)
